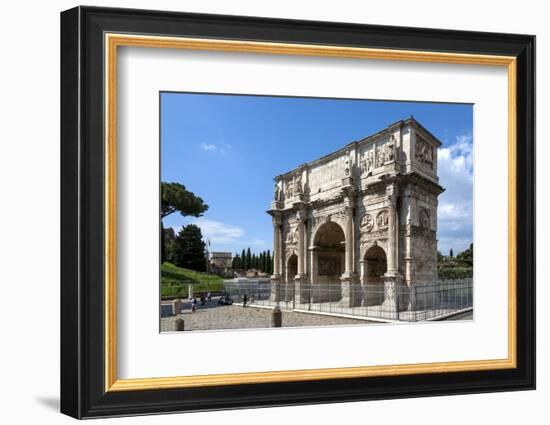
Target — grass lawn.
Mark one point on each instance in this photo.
(174, 281)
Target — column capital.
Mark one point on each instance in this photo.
(349, 192)
(391, 188)
(301, 216)
(391, 193)
(277, 220)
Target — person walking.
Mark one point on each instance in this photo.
(245, 299)
(194, 305)
(209, 297)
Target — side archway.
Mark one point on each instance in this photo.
(372, 275)
(291, 267)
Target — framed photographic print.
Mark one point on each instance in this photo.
(261, 212)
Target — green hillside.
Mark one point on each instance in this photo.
(455, 268)
(174, 281)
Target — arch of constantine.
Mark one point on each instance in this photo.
(362, 219)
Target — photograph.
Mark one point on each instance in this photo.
(281, 212)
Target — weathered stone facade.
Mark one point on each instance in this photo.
(364, 216)
(221, 260)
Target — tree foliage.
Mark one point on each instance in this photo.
(176, 198)
(190, 249)
(457, 266)
(169, 245)
(248, 260)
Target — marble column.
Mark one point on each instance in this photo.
(300, 278)
(314, 270)
(301, 245)
(392, 239)
(349, 241)
(349, 278)
(363, 271)
(312, 294)
(277, 259)
(392, 279)
(363, 280)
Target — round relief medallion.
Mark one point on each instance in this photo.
(367, 223)
(382, 219)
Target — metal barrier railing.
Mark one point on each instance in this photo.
(419, 302)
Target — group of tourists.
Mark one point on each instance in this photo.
(203, 300)
(208, 298)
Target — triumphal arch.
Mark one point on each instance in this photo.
(361, 218)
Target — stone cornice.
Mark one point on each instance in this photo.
(421, 181)
(318, 203)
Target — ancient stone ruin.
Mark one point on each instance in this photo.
(360, 218)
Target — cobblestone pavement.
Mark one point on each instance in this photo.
(211, 317)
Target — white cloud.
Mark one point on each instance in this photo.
(218, 232)
(208, 147)
(221, 147)
(448, 211)
(455, 169)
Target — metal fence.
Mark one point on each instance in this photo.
(417, 303)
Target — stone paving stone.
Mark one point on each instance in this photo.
(238, 317)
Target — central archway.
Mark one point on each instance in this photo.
(375, 266)
(329, 243)
(291, 268)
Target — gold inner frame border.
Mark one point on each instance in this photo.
(113, 40)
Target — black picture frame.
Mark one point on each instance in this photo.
(83, 392)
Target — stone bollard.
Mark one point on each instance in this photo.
(176, 306)
(276, 318)
(179, 324)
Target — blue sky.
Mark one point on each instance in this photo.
(227, 149)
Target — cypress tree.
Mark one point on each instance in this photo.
(248, 259)
(269, 262)
(262, 261)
